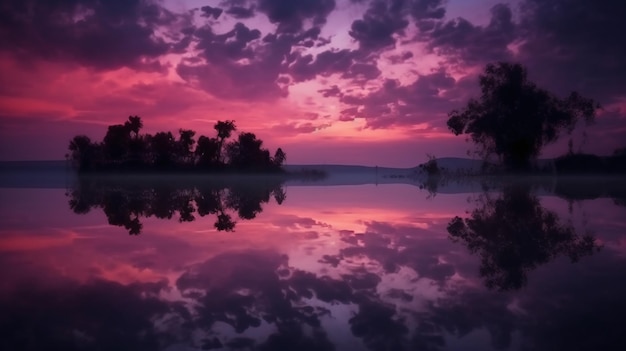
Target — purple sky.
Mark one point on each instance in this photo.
(330, 81)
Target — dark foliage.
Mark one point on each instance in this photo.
(514, 119)
(577, 163)
(123, 149)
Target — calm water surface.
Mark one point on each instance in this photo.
(289, 267)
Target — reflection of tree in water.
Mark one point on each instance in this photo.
(513, 234)
(125, 204)
(572, 190)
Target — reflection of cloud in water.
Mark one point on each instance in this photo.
(294, 279)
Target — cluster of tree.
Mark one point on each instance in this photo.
(580, 163)
(514, 119)
(126, 204)
(125, 149)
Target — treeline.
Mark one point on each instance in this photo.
(579, 163)
(124, 148)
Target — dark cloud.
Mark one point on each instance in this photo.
(241, 12)
(427, 14)
(380, 22)
(290, 15)
(230, 46)
(324, 64)
(98, 34)
(362, 72)
(576, 45)
(425, 100)
(235, 69)
(395, 59)
(462, 40)
(299, 128)
(428, 9)
(208, 11)
(332, 91)
(239, 64)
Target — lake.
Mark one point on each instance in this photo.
(265, 265)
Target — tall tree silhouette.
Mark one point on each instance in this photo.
(224, 131)
(247, 153)
(83, 152)
(513, 119)
(185, 145)
(162, 145)
(513, 234)
(134, 124)
(208, 152)
(279, 157)
(116, 142)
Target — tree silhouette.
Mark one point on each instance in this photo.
(208, 152)
(162, 145)
(224, 130)
(83, 152)
(134, 124)
(185, 145)
(224, 223)
(513, 119)
(279, 157)
(116, 142)
(247, 153)
(513, 234)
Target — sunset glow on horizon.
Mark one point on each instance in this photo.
(330, 81)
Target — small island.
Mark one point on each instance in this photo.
(125, 150)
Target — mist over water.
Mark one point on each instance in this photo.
(267, 265)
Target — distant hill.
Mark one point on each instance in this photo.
(449, 163)
(346, 169)
(454, 164)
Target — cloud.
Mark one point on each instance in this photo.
(426, 99)
(299, 128)
(576, 45)
(208, 11)
(233, 69)
(332, 91)
(326, 63)
(471, 44)
(290, 15)
(230, 46)
(362, 72)
(428, 9)
(240, 64)
(241, 12)
(395, 59)
(98, 34)
(379, 23)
